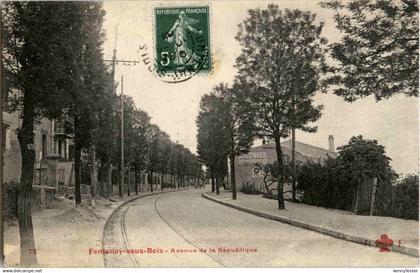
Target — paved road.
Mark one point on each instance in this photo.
(184, 221)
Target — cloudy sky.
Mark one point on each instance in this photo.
(174, 107)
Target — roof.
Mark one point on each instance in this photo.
(307, 149)
(302, 150)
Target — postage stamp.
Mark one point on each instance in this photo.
(209, 133)
(182, 41)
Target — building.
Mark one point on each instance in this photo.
(248, 167)
(51, 142)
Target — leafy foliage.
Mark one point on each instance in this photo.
(281, 63)
(249, 188)
(400, 199)
(39, 39)
(378, 53)
(363, 159)
(322, 185)
(332, 183)
(41, 52)
(213, 136)
(53, 67)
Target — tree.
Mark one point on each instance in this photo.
(378, 53)
(205, 153)
(94, 84)
(404, 199)
(104, 135)
(363, 159)
(182, 162)
(130, 137)
(281, 61)
(178, 162)
(237, 120)
(172, 164)
(154, 152)
(39, 37)
(213, 137)
(270, 174)
(165, 153)
(141, 123)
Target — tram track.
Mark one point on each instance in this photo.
(180, 235)
(115, 236)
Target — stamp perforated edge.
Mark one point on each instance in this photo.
(182, 4)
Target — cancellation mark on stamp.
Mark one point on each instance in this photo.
(182, 48)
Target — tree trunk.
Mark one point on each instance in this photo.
(93, 173)
(217, 185)
(161, 181)
(142, 178)
(212, 179)
(102, 178)
(232, 176)
(77, 168)
(28, 256)
(293, 166)
(279, 153)
(151, 181)
(109, 188)
(136, 189)
(120, 185)
(129, 180)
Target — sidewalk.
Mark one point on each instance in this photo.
(64, 235)
(340, 224)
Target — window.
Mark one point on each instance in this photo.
(71, 152)
(44, 146)
(4, 138)
(60, 148)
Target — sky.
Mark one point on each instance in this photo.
(174, 107)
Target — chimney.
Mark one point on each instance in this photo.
(331, 147)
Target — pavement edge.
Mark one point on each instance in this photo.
(333, 233)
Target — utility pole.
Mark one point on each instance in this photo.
(293, 165)
(294, 151)
(373, 194)
(122, 138)
(114, 58)
(114, 61)
(129, 179)
(1, 162)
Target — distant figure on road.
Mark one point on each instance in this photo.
(200, 183)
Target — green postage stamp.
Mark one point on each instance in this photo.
(182, 40)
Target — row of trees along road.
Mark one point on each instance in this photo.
(225, 130)
(52, 56)
(283, 64)
(279, 70)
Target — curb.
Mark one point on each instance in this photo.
(117, 209)
(333, 233)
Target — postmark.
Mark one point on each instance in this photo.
(182, 42)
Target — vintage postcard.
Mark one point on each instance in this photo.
(177, 134)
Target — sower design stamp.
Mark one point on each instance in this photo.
(182, 47)
(203, 134)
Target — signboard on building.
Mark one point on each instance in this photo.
(253, 158)
(256, 173)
